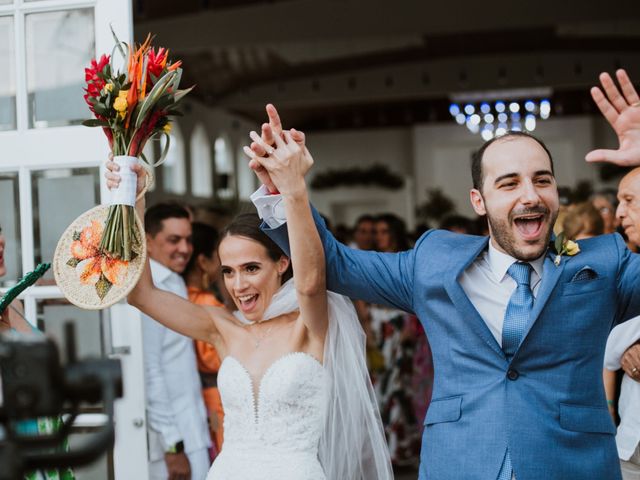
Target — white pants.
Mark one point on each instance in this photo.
(631, 468)
(198, 460)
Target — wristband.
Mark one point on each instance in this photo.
(610, 402)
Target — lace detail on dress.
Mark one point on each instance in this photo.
(272, 429)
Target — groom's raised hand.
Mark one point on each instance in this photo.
(621, 108)
(269, 132)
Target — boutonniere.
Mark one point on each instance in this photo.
(564, 246)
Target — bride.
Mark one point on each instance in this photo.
(294, 386)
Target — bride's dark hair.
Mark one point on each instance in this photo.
(248, 225)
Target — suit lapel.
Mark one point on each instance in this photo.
(550, 276)
(459, 298)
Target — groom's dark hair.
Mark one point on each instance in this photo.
(248, 225)
(476, 158)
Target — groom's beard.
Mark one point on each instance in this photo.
(504, 232)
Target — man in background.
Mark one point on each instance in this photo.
(176, 415)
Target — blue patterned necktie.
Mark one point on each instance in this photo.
(516, 319)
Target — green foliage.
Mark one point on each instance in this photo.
(374, 176)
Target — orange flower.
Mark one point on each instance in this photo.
(93, 263)
(89, 242)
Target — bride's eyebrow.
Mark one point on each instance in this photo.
(243, 264)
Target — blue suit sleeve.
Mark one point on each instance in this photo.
(628, 282)
(382, 278)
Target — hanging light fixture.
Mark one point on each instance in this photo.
(494, 113)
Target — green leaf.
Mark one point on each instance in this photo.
(103, 286)
(95, 123)
(76, 236)
(73, 262)
(101, 109)
(118, 42)
(181, 93)
(164, 101)
(153, 96)
(559, 243)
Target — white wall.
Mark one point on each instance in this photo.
(392, 147)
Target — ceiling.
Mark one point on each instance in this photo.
(363, 63)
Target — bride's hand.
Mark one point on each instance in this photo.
(113, 177)
(269, 132)
(287, 164)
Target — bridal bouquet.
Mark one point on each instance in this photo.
(131, 107)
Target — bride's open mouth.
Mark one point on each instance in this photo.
(530, 226)
(247, 302)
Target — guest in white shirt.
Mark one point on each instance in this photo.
(623, 347)
(176, 415)
(628, 436)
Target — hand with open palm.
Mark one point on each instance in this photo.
(621, 108)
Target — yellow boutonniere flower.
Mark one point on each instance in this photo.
(564, 246)
(167, 128)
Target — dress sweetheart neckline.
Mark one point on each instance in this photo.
(256, 392)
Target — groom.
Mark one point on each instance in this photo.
(517, 330)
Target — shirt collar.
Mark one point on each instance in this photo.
(499, 262)
(159, 272)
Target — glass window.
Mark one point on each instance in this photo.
(224, 168)
(174, 169)
(10, 223)
(59, 197)
(59, 46)
(8, 79)
(9, 2)
(53, 315)
(201, 174)
(247, 180)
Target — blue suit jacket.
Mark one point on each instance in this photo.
(547, 405)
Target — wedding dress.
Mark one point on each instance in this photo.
(272, 426)
(303, 420)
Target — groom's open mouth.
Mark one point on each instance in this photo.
(247, 302)
(530, 226)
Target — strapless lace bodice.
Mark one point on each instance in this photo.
(273, 433)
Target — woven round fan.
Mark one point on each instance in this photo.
(87, 277)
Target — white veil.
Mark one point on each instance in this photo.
(353, 445)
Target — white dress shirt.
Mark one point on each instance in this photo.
(489, 287)
(621, 338)
(175, 408)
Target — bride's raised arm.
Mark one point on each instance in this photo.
(173, 311)
(287, 165)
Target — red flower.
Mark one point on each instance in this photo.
(94, 83)
(156, 62)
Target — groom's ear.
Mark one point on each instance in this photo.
(477, 202)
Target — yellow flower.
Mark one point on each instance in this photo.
(108, 87)
(120, 104)
(572, 248)
(167, 128)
